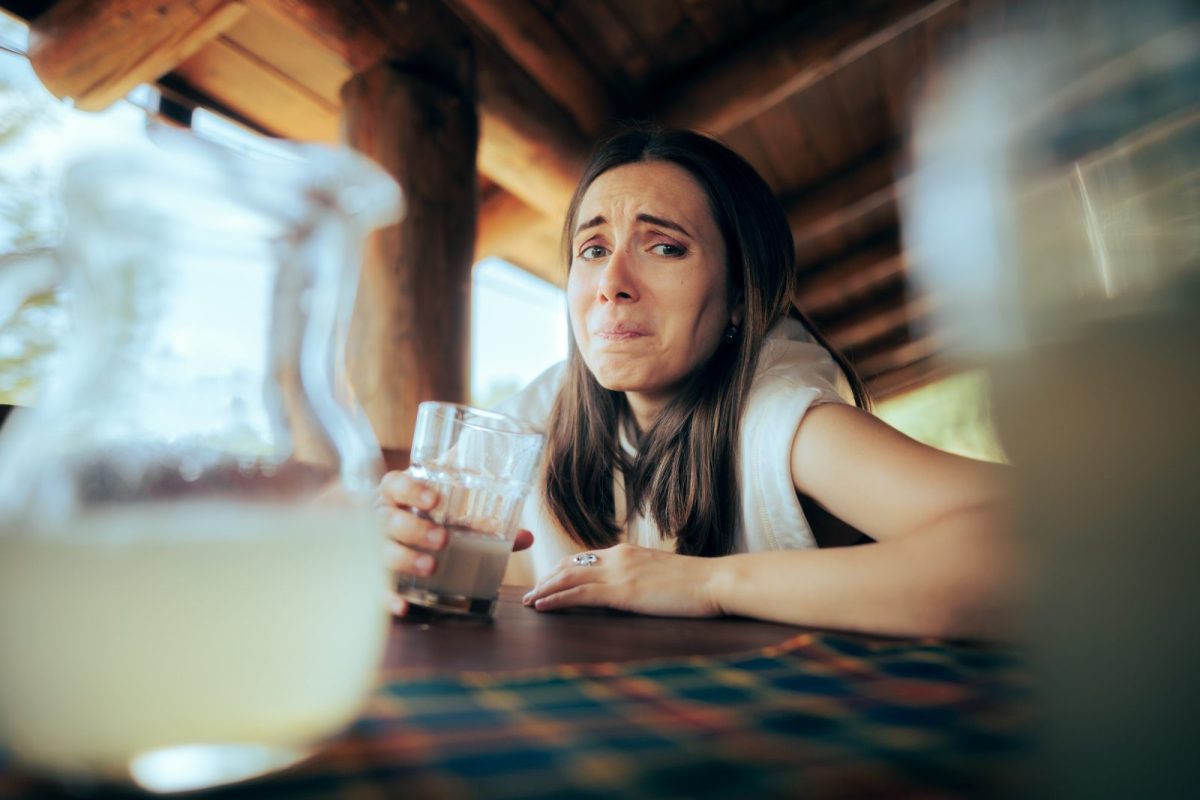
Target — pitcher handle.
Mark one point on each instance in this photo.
(24, 274)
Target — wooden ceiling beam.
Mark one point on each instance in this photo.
(792, 57)
(95, 53)
(521, 235)
(829, 290)
(894, 312)
(527, 36)
(528, 143)
(867, 189)
(910, 375)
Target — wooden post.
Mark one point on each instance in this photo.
(410, 334)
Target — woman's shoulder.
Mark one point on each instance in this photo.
(791, 359)
(532, 404)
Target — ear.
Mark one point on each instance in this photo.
(737, 313)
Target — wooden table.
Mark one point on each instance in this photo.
(518, 637)
(598, 704)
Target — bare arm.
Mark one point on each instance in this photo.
(944, 563)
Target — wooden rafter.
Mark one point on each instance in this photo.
(792, 58)
(537, 46)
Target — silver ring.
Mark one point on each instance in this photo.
(586, 560)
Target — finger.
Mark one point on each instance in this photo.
(587, 594)
(539, 588)
(408, 529)
(402, 489)
(406, 561)
(523, 541)
(559, 580)
(397, 604)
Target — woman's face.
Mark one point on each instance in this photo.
(647, 289)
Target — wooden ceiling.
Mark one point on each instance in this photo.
(814, 94)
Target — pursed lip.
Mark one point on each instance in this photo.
(621, 331)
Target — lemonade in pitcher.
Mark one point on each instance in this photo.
(192, 581)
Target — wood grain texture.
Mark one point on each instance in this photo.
(410, 333)
(95, 53)
(792, 58)
(536, 45)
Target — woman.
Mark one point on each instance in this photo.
(697, 406)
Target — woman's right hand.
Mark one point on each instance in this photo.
(413, 542)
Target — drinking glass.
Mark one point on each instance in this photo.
(482, 465)
(1053, 209)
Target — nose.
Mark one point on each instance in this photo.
(617, 281)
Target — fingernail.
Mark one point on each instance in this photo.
(527, 597)
(436, 536)
(424, 564)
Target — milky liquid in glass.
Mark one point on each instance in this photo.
(249, 624)
(480, 518)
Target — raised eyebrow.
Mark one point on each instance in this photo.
(664, 223)
(591, 223)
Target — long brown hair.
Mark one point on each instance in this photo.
(685, 467)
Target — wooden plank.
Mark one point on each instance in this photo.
(664, 30)
(633, 59)
(529, 144)
(792, 58)
(845, 232)
(895, 311)
(538, 47)
(858, 94)
(865, 189)
(259, 93)
(834, 288)
(898, 64)
(510, 229)
(828, 130)
(775, 129)
(909, 377)
(746, 143)
(600, 39)
(571, 22)
(284, 44)
(911, 351)
(96, 53)
(715, 21)
(944, 35)
(809, 166)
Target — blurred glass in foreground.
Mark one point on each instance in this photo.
(1056, 211)
(191, 576)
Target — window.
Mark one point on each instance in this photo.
(518, 329)
(952, 414)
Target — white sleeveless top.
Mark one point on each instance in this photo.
(794, 373)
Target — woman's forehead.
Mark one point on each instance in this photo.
(658, 188)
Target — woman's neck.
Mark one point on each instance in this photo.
(645, 408)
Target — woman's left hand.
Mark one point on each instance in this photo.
(631, 578)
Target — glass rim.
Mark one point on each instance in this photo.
(443, 408)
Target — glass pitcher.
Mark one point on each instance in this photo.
(191, 581)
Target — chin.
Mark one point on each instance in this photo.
(619, 377)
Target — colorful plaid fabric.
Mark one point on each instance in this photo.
(821, 715)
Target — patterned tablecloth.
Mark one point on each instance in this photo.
(821, 715)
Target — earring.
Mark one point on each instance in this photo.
(731, 332)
